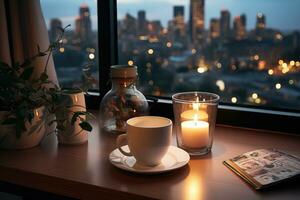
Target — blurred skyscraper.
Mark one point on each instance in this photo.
(142, 22)
(197, 22)
(239, 27)
(260, 21)
(214, 28)
(260, 27)
(55, 24)
(178, 11)
(225, 23)
(154, 27)
(178, 20)
(244, 20)
(129, 25)
(83, 24)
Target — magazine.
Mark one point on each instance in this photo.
(264, 167)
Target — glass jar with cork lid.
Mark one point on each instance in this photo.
(123, 101)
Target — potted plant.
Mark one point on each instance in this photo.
(26, 103)
(70, 115)
(23, 103)
(70, 111)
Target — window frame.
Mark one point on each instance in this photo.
(251, 117)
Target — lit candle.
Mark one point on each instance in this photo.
(190, 114)
(195, 134)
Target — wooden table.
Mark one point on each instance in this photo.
(84, 171)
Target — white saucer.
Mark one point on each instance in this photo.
(174, 159)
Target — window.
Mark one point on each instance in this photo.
(130, 35)
(248, 52)
(80, 43)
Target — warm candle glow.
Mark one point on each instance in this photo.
(197, 110)
(189, 115)
(195, 134)
(195, 118)
(196, 105)
(194, 187)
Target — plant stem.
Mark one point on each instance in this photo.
(48, 58)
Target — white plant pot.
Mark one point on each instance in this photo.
(73, 134)
(29, 138)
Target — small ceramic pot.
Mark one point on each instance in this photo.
(73, 134)
(35, 131)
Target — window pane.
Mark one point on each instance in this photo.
(80, 43)
(246, 51)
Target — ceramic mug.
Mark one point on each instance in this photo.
(148, 138)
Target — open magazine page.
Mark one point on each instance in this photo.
(267, 166)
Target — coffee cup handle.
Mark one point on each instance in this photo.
(121, 141)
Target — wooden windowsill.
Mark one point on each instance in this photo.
(84, 171)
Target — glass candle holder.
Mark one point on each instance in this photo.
(195, 119)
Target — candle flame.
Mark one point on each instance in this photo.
(196, 105)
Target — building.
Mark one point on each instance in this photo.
(178, 21)
(129, 25)
(225, 23)
(214, 28)
(239, 27)
(244, 20)
(83, 24)
(154, 27)
(86, 24)
(55, 25)
(142, 22)
(78, 26)
(260, 21)
(178, 11)
(260, 31)
(197, 22)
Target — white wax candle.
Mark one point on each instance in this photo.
(195, 134)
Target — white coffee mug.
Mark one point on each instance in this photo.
(148, 138)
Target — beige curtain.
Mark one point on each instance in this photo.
(22, 28)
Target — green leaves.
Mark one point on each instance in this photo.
(40, 53)
(44, 77)
(77, 114)
(26, 74)
(86, 126)
(87, 78)
(21, 94)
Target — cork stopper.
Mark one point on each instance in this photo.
(123, 71)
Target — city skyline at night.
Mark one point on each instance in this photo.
(241, 57)
(254, 66)
(281, 14)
